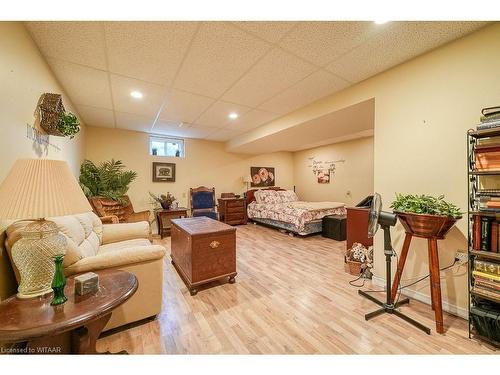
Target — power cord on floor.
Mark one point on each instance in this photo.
(400, 288)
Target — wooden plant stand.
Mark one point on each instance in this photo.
(435, 282)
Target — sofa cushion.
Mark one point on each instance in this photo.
(84, 235)
(119, 246)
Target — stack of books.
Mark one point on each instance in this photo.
(486, 234)
(487, 278)
(487, 156)
(490, 118)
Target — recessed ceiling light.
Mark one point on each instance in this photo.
(233, 116)
(136, 94)
(380, 22)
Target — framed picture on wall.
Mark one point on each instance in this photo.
(262, 176)
(163, 172)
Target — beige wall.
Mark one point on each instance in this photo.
(24, 76)
(355, 175)
(423, 109)
(206, 163)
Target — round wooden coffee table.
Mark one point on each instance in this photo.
(72, 327)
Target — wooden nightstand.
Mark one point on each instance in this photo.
(233, 211)
(163, 218)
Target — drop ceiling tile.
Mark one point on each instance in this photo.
(399, 42)
(93, 116)
(183, 106)
(78, 42)
(221, 135)
(188, 131)
(277, 71)
(151, 51)
(219, 55)
(87, 86)
(321, 42)
(250, 120)
(148, 106)
(272, 31)
(310, 89)
(131, 121)
(217, 115)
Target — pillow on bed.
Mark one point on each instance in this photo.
(267, 196)
(287, 196)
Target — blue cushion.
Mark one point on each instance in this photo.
(210, 214)
(203, 199)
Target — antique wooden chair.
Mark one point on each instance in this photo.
(105, 208)
(203, 202)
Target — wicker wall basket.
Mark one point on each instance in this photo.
(51, 107)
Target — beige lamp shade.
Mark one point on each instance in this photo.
(39, 188)
(247, 179)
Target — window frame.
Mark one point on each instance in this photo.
(165, 139)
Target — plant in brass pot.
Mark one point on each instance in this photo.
(164, 200)
(424, 215)
(68, 124)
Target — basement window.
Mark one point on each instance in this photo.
(165, 146)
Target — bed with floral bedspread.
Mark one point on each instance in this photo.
(282, 209)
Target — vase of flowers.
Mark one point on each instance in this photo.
(165, 201)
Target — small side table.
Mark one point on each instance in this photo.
(70, 328)
(233, 211)
(163, 218)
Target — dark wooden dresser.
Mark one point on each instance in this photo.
(233, 211)
(203, 250)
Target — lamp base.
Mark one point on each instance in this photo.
(33, 257)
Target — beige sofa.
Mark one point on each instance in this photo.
(94, 246)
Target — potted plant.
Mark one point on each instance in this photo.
(425, 215)
(68, 124)
(106, 180)
(164, 200)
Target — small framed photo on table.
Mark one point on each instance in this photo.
(163, 172)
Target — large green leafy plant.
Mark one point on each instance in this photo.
(425, 204)
(106, 180)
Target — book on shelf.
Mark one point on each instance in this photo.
(488, 267)
(487, 292)
(488, 125)
(486, 276)
(476, 230)
(487, 111)
(494, 236)
(489, 192)
(492, 117)
(487, 285)
(487, 156)
(485, 233)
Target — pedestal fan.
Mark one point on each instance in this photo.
(378, 218)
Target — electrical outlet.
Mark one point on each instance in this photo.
(462, 256)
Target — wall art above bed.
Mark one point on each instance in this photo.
(262, 176)
(323, 170)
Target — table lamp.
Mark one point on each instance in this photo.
(247, 180)
(34, 190)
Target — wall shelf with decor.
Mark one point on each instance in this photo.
(483, 157)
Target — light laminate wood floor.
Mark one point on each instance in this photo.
(291, 296)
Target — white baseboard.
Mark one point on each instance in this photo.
(419, 296)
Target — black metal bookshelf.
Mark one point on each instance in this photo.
(474, 193)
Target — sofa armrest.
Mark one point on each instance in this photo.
(113, 259)
(124, 231)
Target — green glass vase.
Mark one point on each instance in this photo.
(58, 282)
